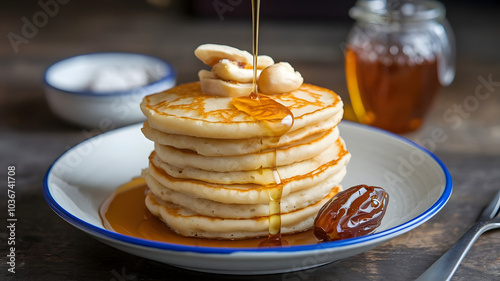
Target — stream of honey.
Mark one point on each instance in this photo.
(271, 113)
(125, 212)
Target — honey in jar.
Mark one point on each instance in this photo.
(396, 60)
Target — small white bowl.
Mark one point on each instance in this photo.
(76, 92)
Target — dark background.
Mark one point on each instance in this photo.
(309, 35)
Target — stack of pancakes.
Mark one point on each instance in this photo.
(211, 169)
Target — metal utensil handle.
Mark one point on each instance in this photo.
(447, 264)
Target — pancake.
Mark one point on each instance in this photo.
(244, 193)
(301, 150)
(185, 110)
(188, 223)
(230, 147)
(261, 176)
(206, 207)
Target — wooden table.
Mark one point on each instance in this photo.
(31, 137)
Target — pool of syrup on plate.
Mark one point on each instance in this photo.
(125, 212)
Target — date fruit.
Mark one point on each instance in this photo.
(354, 212)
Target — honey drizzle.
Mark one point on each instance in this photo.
(275, 119)
(255, 42)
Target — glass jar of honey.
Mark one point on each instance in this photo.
(398, 55)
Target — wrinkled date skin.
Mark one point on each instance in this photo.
(354, 212)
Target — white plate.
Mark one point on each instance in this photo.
(418, 183)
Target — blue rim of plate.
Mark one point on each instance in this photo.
(423, 217)
(171, 75)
